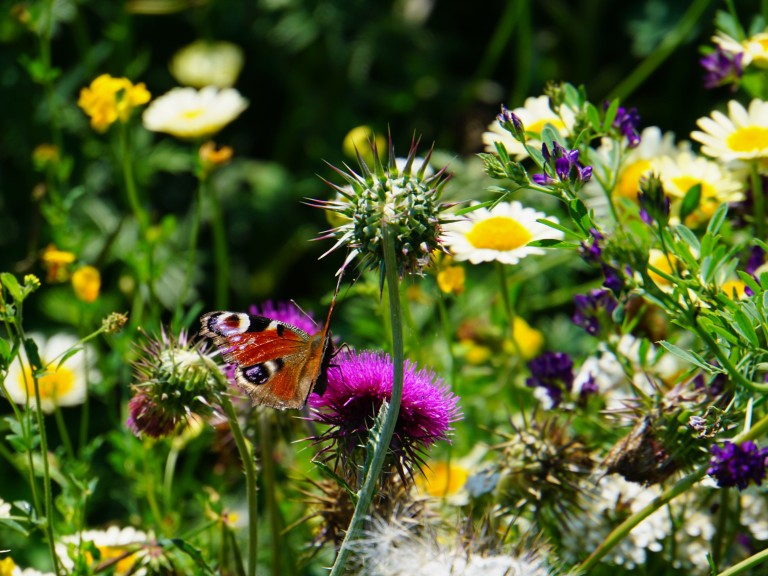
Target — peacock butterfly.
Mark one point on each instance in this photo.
(277, 364)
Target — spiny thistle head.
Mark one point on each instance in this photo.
(403, 196)
(175, 378)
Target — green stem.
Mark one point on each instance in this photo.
(744, 565)
(269, 483)
(758, 198)
(194, 233)
(221, 259)
(245, 449)
(47, 492)
(508, 308)
(448, 335)
(62, 427)
(621, 531)
(720, 528)
(366, 493)
(128, 179)
(168, 474)
(665, 48)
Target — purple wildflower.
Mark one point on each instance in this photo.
(756, 260)
(627, 121)
(563, 165)
(358, 384)
(593, 308)
(588, 388)
(722, 68)
(552, 371)
(613, 280)
(511, 123)
(591, 249)
(654, 203)
(286, 312)
(737, 464)
(147, 417)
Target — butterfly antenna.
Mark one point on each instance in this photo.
(300, 309)
(333, 300)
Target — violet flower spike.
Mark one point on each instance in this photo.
(738, 464)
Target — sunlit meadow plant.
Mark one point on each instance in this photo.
(552, 360)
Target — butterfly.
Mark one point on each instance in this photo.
(277, 364)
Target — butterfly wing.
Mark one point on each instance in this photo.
(276, 364)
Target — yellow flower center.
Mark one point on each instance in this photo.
(52, 385)
(442, 479)
(686, 182)
(628, 185)
(538, 126)
(108, 553)
(748, 139)
(192, 114)
(500, 233)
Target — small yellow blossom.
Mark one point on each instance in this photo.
(7, 567)
(110, 99)
(211, 158)
(665, 263)
(359, 140)
(475, 353)
(443, 479)
(45, 155)
(451, 279)
(86, 282)
(734, 289)
(528, 341)
(55, 262)
(205, 63)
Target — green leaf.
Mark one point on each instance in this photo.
(10, 283)
(559, 227)
(5, 354)
(688, 237)
(745, 328)
(69, 353)
(690, 201)
(610, 115)
(593, 116)
(688, 356)
(553, 243)
(716, 222)
(325, 470)
(549, 136)
(32, 354)
(749, 281)
(194, 553)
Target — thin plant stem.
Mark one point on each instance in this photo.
(447, 334)
(508, 308)
(221, 254)
(129, 181)
(665, 48)
(366, 493)
(168, 475)
(745, 565)
(194, 234)
(245, 449)
(758, 199)
(269, 483)
(62, 427)
(683, 485)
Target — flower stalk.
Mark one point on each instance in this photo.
(366, 493)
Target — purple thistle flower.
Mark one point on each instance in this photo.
(288, 313)
(737, 464)
(552, 371)
(627, 121)
(148, 417)
(721, 68)
(593, 308)
(358, 384)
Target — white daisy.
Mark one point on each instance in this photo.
(502, 234)
(64, 385)
(535, 114)
(679, 173)
(205, 63)
(742, 135)
(113, 542)
(754, 48)
(620, 169)
(190, 113)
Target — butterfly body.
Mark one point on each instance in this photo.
(277, 364)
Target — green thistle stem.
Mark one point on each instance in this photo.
(366, 493)
(683, 485)
(269, 482)
(245, 449)
(759, 201)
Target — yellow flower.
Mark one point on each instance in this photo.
(359, 140)
(55, 262)
(60, 385)
(443, 479)
(7, 567)
(109, 99)
(211, 158)
(665, 263)
(735, 289)
(451, 279)
(45, 155)
(86, 282)
(473, 352)
(528, 341)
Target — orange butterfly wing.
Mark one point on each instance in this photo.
(278, 365)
